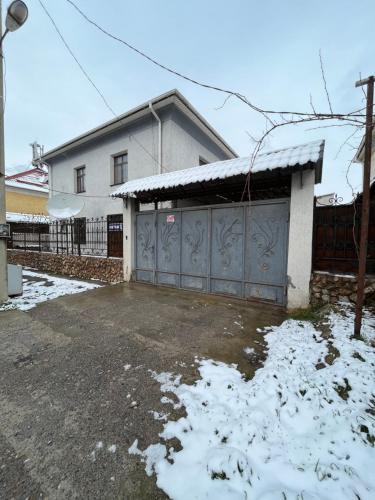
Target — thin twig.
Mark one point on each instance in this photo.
(324, 80)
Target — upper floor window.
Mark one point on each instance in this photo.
(202, 161)
(120, 168)
(80, 179)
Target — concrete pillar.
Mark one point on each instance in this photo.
(300, 238)
(129, 237)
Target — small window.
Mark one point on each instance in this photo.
(202, 161)
(80, 179)
(80, 231)
(120, 168)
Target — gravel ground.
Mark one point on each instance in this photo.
(68, 394)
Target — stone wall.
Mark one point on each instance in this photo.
(84, 267)
(330, 288)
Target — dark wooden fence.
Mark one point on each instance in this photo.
(337, 235)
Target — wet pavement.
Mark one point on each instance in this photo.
(71, 369)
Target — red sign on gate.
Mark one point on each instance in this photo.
(170, 218)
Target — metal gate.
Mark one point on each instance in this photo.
(238, 249)
(115, 235)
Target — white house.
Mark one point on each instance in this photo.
(164, 134)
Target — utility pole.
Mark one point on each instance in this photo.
(3, 241)
(365, 204)
(16, 16)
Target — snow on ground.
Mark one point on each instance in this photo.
(300, 429)
(39, 287)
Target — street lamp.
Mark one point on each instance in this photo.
(17, 14)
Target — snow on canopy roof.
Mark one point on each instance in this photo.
(300, 155)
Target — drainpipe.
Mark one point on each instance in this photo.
(159, 142)
(50, 189)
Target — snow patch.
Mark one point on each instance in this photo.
(159, 415)
(301, 428)
(249, 351)
(46, 287)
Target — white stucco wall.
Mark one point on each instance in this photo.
(300, 238)
(189, 144)
(372, 174)
(97, 158)
(129, 218)
(182, 145)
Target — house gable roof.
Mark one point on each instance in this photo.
(171, 97)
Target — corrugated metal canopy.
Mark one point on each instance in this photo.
(308, 155)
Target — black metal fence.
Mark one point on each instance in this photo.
(102, 237)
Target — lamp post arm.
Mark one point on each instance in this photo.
(2, 38)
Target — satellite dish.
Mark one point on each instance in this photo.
(63, 206)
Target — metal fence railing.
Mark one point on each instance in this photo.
(80, 236)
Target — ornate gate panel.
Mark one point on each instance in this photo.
(227, 225)
(266, 251)
(194, 250)
(168, 229)
(238, 249)
(145, 247)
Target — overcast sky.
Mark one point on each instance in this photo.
(267, 50)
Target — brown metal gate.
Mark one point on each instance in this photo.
(115, 235)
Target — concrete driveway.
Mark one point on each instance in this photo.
(76, 390)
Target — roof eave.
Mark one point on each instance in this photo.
(171, 97)
(317, 166)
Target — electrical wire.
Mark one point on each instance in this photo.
(108, 196)
(76, 59)
(100, 93)
(229, 93)
(156, 63)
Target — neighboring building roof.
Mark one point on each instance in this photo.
(24, 185)
(372, 189)
(35, 179)
(360, 152)
(32, 218)
(324, 199)
(359, 157)
(305, 155)
(171, 97)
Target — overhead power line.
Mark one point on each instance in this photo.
(239, 96)
(76, 59)
(90, 80)
(160, 65)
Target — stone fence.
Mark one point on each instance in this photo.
(99, 268)
(330, 288)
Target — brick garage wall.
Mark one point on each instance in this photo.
(327, 288)
(84, 267)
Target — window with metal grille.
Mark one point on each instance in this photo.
(120, 168)
(80, 179)
(80, 231)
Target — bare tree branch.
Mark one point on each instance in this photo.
(324, 80)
